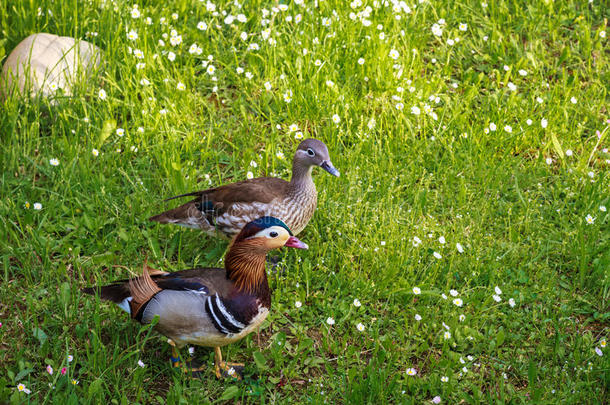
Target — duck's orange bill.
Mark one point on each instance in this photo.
(293, 242)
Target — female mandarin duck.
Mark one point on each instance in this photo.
(208, 306)
(225, 210)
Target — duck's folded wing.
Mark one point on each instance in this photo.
(215, 202)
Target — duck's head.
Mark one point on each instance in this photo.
(312, 152)
(265, 234)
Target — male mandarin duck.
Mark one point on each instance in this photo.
(226, 209)
(208, 306)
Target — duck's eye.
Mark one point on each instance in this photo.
(273, 234)
(310, 152)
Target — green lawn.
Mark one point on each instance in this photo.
(492, 136)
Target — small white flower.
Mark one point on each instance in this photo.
(298, 304)
(492, 126)
(70, 358)
(569, 152)
(394, 54)
(508, 129)
(132, 35)
(444, 296)
(444, 379)
(336, 119)
(171, 56)
(599, 352)
(138, 54)
(497, 290)
(360, 327)
(37, 206)
(411, 372)
(528, 121)
(49, 369)
(102, 94)
(573, 100)
(54, 162)
(249, 175)
(22, 388)
(437, 30)
(191, 350)
(357, 303)
(447, 335)
(416, 290)
(511, 86)
(202, 26)
(511, 302)
(330, 321)
(210, 70)
(453, 293)
(523, 72)
(418, 317)
(463, 27)
(437, 255)
(441, 240)
(549, 161)
(459, 248)
(141, 363)
(268, 86)
(120, 132)
(590, 220)
(462, 317)
(497, 298)
(602, 208)
(95, 152)
(544, 123)
(180, 86)
(415, 110)
(458, 302)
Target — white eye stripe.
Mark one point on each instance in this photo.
(269, 232)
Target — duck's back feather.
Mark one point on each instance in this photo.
(245, 201)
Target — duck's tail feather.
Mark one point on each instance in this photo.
(116, 292)
(193, 214)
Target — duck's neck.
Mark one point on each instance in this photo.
(246, 268)
(301, 180)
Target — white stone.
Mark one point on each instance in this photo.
(42, 62)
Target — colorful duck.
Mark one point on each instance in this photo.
(208, 306)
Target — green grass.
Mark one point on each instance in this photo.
(521, 221)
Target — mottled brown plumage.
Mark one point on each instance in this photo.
(226, 209)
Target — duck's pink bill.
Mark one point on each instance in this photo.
(293, 242)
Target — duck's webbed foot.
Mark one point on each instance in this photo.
(230, 370)
(192, 367)
(225, 369)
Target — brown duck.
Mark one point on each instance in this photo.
(226, 209)
(208, 306)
